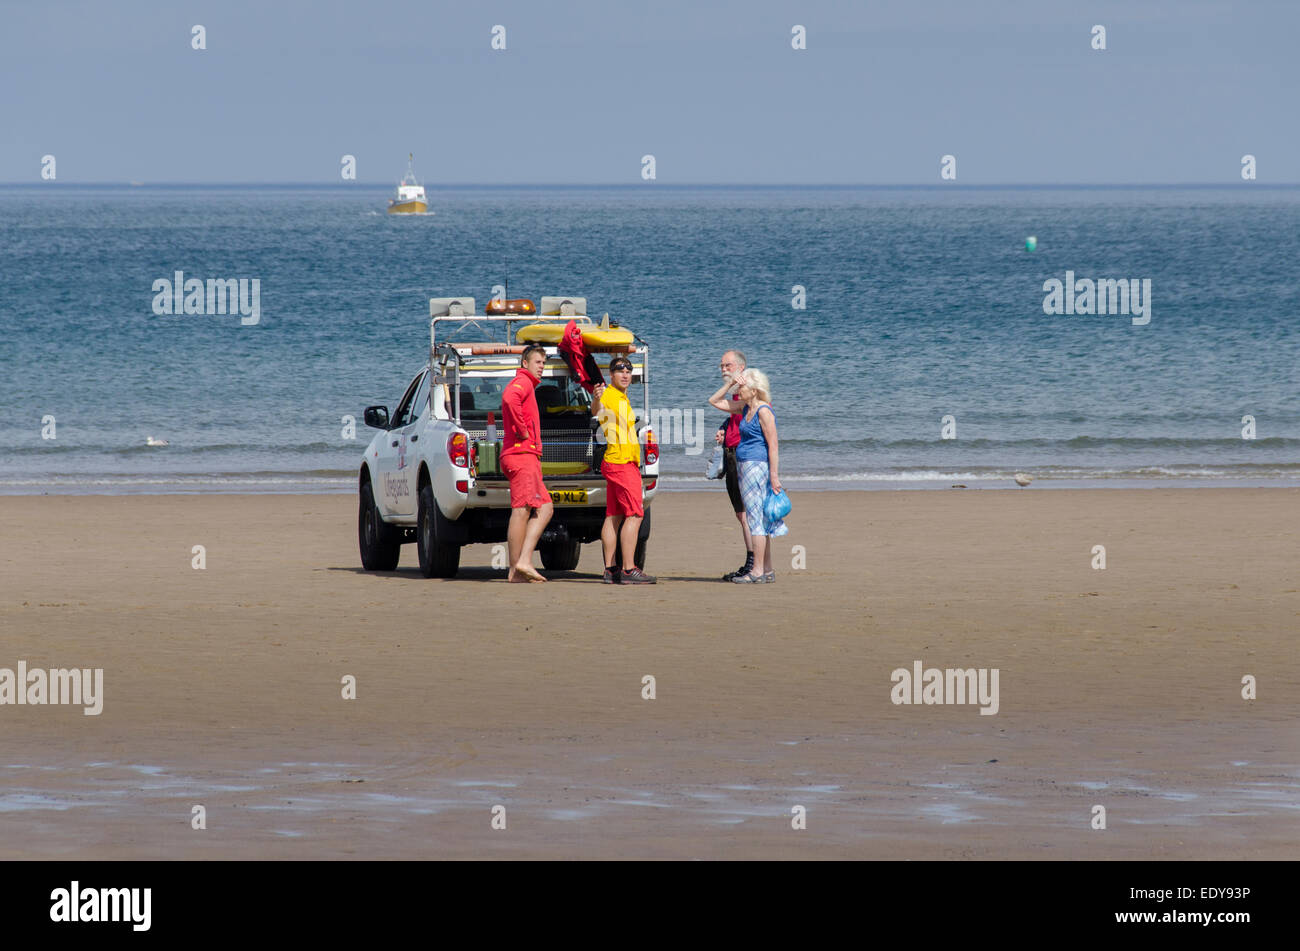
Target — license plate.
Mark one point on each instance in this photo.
(569, 496)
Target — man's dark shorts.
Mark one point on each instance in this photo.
(733, 479)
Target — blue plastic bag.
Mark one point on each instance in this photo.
(776, 506)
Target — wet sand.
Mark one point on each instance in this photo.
(222, 687)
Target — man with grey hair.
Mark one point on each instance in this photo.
(732, 362)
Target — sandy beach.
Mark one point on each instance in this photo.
(222, 687)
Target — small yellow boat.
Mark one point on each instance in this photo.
(410, 198)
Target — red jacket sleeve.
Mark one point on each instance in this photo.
(512, 412)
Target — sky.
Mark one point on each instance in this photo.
(715, 91)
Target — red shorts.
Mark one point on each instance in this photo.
(622, 488)
(524, 470)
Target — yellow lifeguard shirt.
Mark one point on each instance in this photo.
(619, 425)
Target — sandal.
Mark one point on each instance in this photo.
(732, 575)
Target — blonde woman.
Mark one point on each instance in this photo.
(759, 459)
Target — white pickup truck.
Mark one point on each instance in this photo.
(432, 475)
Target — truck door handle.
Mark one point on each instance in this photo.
(394, 443)
(415, 439)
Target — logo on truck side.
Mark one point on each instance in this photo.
(394, 488)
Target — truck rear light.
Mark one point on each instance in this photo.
(458, 450)
(463, 486)
(651, 484)
(651, 448)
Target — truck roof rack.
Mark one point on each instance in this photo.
(493, 338)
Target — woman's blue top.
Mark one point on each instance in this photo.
(753, 447)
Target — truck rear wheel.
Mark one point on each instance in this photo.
(560, 556)
(380, 547)
(438, 557)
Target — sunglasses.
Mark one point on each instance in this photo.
(620, 368)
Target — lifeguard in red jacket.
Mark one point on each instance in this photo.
(521, 458)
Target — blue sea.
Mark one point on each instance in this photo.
(920, 304)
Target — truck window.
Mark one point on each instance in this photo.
(420, 405)
(403, 415)
(557, 398)
(478, 395)
(562, 397)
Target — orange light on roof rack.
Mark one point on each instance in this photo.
(522, 306)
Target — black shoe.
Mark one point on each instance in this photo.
(637, 576)
(613, 576)
(742, 570)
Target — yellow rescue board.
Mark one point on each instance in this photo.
(606, 338)
(592, 335)
(541, 333)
